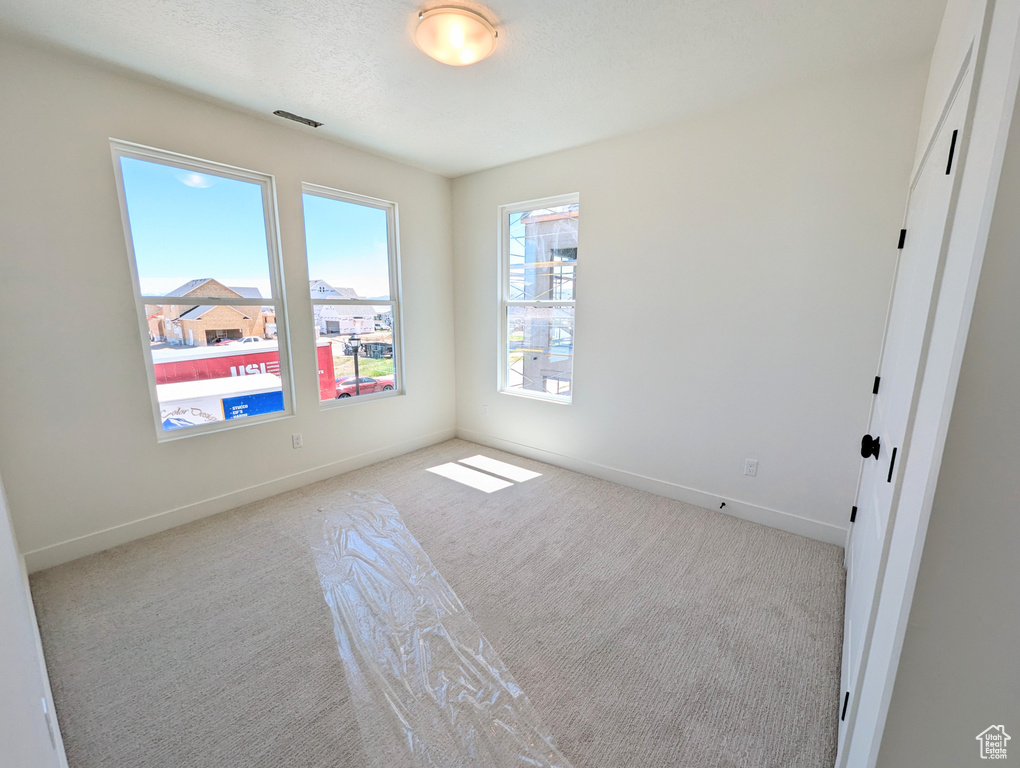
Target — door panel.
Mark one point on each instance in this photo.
(906, 338)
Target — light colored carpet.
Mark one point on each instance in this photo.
(645, 631)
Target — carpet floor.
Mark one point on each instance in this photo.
(644, 631)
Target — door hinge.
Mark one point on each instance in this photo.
(952, 151)
(892, 463)
(874, 389)
(846, 700)
(903, 239)
(853, 513)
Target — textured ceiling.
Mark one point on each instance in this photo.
(563, 74)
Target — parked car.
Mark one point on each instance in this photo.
(221, 342)
(348, 386)
(251, 340)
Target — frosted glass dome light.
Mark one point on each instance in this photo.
(455, 36)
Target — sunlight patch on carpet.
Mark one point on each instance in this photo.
(501, 468)
(466, 476)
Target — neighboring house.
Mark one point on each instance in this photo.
(269, 321)
(339, 318)
(154, 319)
(548, 274)
(197, 325)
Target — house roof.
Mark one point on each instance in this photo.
(189, 286)
(321, 289)
(243, 292)
(195, 313)
(248, 293)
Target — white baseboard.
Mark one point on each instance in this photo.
(773, 518)
(72, 549)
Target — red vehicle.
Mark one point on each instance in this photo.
(197, 363)
(347, 386)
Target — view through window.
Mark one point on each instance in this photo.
(352, 267)
(539, 270)
(202, 238)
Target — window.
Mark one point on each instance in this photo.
(351, 243)
(539, 266)
(202, 244)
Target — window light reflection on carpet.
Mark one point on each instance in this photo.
(501, 468)
(462, 474)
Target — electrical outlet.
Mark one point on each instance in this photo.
(296, 439)
(485, 410)
(751, 467)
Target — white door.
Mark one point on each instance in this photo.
(28, 728)
(906, 340)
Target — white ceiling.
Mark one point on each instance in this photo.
(563, 74)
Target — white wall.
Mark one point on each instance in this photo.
(77, 443)
(24, 731)
(757, 247)
(959, 671)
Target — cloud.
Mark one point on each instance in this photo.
(196, 180)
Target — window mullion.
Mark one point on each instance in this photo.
(356, 334)
(557, 303)
(218, 301)
(356, 302)
(538, 260)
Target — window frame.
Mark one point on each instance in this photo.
(120, 148)
(505, 302)
(393, 269)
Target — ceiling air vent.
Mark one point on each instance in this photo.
(297, 118)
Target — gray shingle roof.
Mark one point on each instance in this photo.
(243, 292)
(189, 286)
(248, 293)
(320, 289)
(195, 313)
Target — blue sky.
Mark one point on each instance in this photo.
(346, 245)
(187, 225)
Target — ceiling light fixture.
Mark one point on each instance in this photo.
(455, 36)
